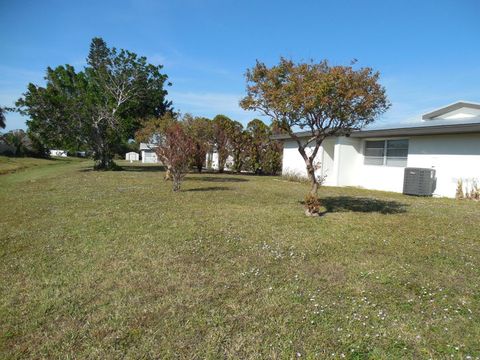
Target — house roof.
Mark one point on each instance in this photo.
(450, 108)
(439, 121)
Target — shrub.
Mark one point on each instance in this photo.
(474, 193)
(294, 177)
(312, 205)
(459, 193)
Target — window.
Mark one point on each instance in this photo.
(386, 152)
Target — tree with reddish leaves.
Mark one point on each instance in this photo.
(322, 99)
(176, 149)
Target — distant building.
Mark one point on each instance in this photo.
(212, 161)
(58, 153)
(148, 154)
(131, 156)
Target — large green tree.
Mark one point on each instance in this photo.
(99, 107)
(319, 98)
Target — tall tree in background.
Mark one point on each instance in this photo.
(322, 99)
(99, 107)
(239, 141)
(18, 141)
(259, 135)
(3, 120)
(222, 127)
(200, 130)
(272, 161)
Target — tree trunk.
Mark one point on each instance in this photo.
(309, 162)
(177, 179)
(103, 157)
(221, 163)
(312, 178)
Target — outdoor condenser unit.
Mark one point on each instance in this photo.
(419, 181)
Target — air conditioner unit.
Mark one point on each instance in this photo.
(419, 181)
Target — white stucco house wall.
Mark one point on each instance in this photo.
(147, 152)
(446, 140)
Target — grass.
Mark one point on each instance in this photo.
(14, 164)
(115, 265)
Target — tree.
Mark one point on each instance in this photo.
(99, 107)
(263, 153)
(175, 149)
(154, 127)
(3, 120)
(272, 162)
(259, 135)
(322, 99)
(221, 130)
(18, 140)
(200, 130)
(239, 141)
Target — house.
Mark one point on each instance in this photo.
(211, 161)
(148, 154)
(59, 153)
(446, 140)
(132, 156)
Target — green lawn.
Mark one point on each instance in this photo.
(115, 265)
(14, 164)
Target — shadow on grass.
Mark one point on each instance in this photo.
(216, 179)
(362, 204)
(210, 188)
(153, 168)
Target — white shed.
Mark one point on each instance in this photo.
(132, 156)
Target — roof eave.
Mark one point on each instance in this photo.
(409, 131)
(422, 130)
(452, 107)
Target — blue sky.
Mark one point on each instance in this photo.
(427, 51)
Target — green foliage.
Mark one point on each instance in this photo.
(18, 140)
(3, 119)
(264, 155)
(97, 108)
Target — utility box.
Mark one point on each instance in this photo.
(419, 181)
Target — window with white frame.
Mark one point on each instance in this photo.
(386, 152)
